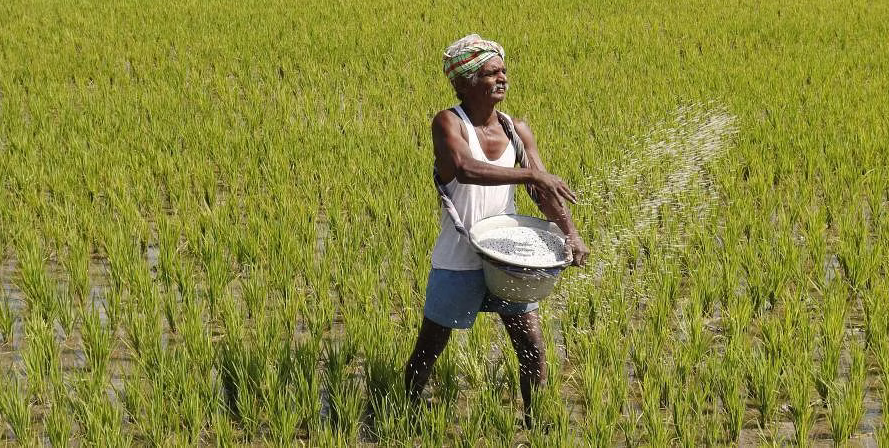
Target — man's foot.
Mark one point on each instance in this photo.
(531, 425)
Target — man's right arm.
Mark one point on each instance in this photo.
(453, 158)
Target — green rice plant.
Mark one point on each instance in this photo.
(99, 421)
(470, 426)
(876, 313)
(392, 419)
(168, 248)
(169, 303)
(446, 387)
(646, 348)
(284, 417)
(184, 278)
(38, 289)
(684, 420)
(76, 263)
(342, 389)
(831, 340)
(16, 410)
(882, 432)
(764, 380)
(328, 437)
(222, 429)
(7, 317)
(241, 372)
(696, 340)
(816, 239)
(81, 147)
(600, 389)
(767, 270)
(306, 382)
(196, 335)
(433, 425)
(652, 393)
(731, 389)
(41, 357)
(845, 400)
(217, 266)
(499, 418)
(113, 306)
(254, 287)
(67, 312)
(880, 351)
(629, 426)
(704, 402)
(150, 412)
(143, 334)
(799, 377)
(859, 257)
(798, 382)
(58, 425)
(96, 339)
(739, 313)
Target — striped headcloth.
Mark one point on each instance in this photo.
(465, 56)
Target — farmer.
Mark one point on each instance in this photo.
(476, 162)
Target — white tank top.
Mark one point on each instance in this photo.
(473, 203)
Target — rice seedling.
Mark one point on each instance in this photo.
(76, 263)
(345, 404)
(7, 317)
(603, 393)
(99, 421)
(859, 258)
(16, 410)
(799, 377)
(96, 339)
(58, 425)
(731, 390)
(656, 431)
(41, 358)
(37, 287)
(830, 340)
(845, 399)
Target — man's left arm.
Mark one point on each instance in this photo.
(554, 209)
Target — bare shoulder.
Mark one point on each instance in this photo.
(524, 130)
(445, 121)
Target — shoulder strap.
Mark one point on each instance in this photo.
(513, 136)
(519, 146)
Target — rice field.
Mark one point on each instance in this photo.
(216, 220)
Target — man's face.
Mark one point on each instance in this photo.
(491, 83)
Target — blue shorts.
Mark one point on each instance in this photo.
(454, 298)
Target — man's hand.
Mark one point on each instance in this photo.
(548, 185)
(578, 249)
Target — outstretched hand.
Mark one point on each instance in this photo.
(578, 249)
(548, 184)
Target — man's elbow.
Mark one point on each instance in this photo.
(462, 172)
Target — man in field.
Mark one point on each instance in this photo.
(475, 161)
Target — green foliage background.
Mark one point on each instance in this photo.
(178, 154)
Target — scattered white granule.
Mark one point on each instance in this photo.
(524, 246)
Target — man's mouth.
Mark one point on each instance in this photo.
(500, 88)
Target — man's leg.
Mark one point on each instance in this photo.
(430, 343)
(527, 340)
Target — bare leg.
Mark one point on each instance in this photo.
(527, 340)
(430, 343)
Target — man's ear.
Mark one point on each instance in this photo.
(460, 84)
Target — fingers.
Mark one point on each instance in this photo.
(580, 259)
(566, 193)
